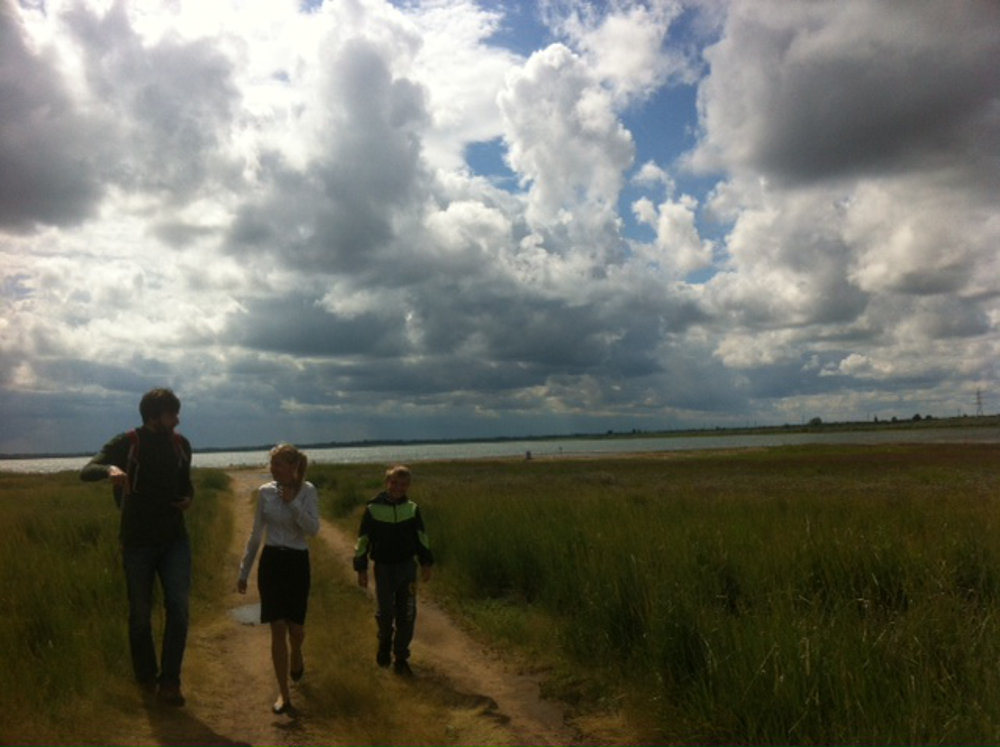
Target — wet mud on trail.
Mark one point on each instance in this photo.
(228, 673)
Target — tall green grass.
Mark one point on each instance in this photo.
(66, 676)
(799, 595)
(63, 630)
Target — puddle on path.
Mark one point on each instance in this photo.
(248, 614)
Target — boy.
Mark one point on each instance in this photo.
(392, 534)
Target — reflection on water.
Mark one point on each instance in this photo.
(548, 448)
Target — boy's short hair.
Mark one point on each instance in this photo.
(156, 402)
(398, 470)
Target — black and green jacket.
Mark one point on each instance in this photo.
(391, 532)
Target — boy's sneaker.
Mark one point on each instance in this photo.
(383, 658)
(170, 695)
(402, 668)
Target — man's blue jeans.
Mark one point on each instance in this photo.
(172, 563)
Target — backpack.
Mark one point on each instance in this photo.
(132, 464)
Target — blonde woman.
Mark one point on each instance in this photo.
(287, 513)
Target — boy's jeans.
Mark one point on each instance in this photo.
(396, 592)
(172, 563)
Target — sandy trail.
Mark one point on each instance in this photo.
(442, 646)
(229, 676)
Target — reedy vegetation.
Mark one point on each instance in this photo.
(63, 630)
(799, 595)
(66, 673)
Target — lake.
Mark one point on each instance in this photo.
(408, 453)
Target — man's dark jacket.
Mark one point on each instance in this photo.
(159, 476)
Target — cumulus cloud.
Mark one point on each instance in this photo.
(275, 211)
(628, 49)
(565, 141)
(859, 156)
(680, 245)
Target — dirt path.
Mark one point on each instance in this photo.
(229, 667)
(442, 646)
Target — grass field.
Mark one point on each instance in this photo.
(799, 595)
(65, 676)
(63, 630)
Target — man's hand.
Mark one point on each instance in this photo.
(425, 573)
(183, 504)
(241, 586)
(363, 579)
(117, 476)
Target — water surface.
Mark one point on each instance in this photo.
(407, 453)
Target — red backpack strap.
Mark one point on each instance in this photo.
(132, 462)
(131, 469)
(182, 456)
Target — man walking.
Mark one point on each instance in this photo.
(150, 469)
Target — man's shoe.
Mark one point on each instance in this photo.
(147, 687)
(383, 658)
(283, 706)
(170, 695)
(402, 668)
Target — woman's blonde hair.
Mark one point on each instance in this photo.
(291, 455)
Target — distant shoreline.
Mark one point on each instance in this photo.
(929, 422)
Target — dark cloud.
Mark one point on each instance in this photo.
(298, 325)
(339, 212)
(151, 119)
(171, 103)
(819, 91)
(308, 221)
(178, 234)
(951, 318)
(48, 169)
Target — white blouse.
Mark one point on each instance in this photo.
(287, 524)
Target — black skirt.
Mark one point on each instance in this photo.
(283, 582)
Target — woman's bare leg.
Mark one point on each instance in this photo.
(296, 635)
(279, 657)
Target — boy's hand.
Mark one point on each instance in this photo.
(363, 579)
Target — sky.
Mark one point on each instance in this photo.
(360, 220)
